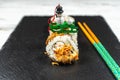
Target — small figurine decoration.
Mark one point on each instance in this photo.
(61, 44)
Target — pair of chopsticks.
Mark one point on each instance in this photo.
(113, 66)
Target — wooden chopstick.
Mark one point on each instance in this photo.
(102, 51)
(102, 47)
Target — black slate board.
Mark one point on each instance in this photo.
(22, 58)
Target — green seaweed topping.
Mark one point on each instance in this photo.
(63, 28)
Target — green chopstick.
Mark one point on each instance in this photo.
(105, 58)
(102, 47)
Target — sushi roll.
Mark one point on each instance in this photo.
(61, 44)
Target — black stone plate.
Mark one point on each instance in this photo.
(22, 56)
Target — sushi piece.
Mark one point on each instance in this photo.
(61, 44)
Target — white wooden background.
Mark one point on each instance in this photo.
(12, 11)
